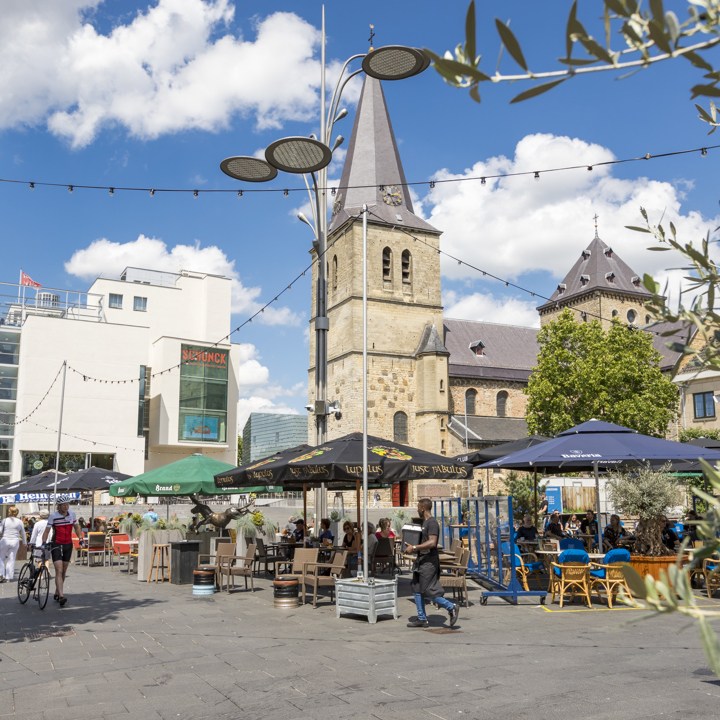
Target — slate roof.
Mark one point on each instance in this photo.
(509, 353)
(430, 342)
(488, 429)
(590, 272)
(372, 161)
(670, 357)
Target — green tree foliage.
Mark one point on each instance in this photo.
(239, 452)
(695, 433)
(584, 373)
(645, 37)
(522, 490)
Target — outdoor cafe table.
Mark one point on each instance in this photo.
(550, 555)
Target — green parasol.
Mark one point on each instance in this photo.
(194, 475)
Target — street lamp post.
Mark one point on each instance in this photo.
(311, 156)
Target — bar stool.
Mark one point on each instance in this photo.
(160, 561)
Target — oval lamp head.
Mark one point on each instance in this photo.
(339, 140)
(394, 62)
(248, 169)
(301, 217)
(298, 155)
(343, 113)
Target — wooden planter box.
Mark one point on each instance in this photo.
(370, 598)
(647, 565)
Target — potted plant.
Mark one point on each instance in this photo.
(647, 494)
(151, 533)
(399, 518)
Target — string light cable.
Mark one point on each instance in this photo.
(35, 409)
(320, 256)
(507, 283)
(152, 191)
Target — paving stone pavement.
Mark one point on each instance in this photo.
(123, 649)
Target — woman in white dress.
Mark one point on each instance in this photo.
(12, 534)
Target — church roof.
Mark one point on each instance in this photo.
(598, 268)
(509, 352)
(430, 342)
(372, 162)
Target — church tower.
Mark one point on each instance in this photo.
(599, 285)
(407, 360)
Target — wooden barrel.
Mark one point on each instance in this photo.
(204, 582)
(286, 592)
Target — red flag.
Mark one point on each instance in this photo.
(27, 280)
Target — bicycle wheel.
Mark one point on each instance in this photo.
(25, 583)
(43, 587)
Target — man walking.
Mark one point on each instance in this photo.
(62, 521)
(426, 569)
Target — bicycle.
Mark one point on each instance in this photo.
(34, 579)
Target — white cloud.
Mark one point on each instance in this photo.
(259, 404)
(514, 226)
(172, 67)
(488, 308)
(104, 257)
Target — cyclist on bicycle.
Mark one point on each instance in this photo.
(62, 521)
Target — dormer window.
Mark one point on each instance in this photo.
(636, 281)
(477, 348)
(610, 277)
(561, 288)
(585, 254)
(584, 280)
(608, 252)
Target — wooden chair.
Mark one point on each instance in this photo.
(456, 577)
(119, 547)
(95, 546)
(228, 569)
(609, 575)
(313, 575)
(222, 550)
(711, 567)
(571, 574)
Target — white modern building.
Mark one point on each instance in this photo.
(152, 376)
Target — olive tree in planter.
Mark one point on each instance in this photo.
(647, 494)
(250, 525)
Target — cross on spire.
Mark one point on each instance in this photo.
(372, 36)
(595, 218)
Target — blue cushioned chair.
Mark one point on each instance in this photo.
(609, 575)
(711, 567)
(571, 574)
(572, 544)
(525, 564)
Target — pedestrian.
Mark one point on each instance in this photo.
(426, 569)
(376, 497)
(151, 515)
(12, 535)
(36, 539)
(61, 522)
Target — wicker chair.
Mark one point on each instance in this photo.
(302, 558)
(525, 565)
(228, 569)
(609, 575)
(571, 574)
(313, 575)
(711, 568)
(456, 577)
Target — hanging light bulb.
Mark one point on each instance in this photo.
(432, 184)
(32, 186)
(195, 193)
(286, 193)
(70, 189)
(482, 181)
(703, 152)
(152, 192)
(239, 193)
(590, 168)
(537, 175)
(112, 191)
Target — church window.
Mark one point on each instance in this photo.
(614, 313)
(561, 288)
(470, 397)
(610, 277)
(608, 252)
(406, 269)
(647, 319)
(477, 348)
(400, 427)
(501, 403)
(636, 281)
(442, 423)
(333, 278)
(387, 265)
(442, 386)
(631, 316)
(584, 280)
(585, 254)
(583, 315)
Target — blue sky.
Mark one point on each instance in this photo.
(129, 94)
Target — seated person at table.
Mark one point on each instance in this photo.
(589, 525)
(351, 540)
(99, 525)
(668, 534)
(325, 527)
(372, 541)
(384, 529)
(554, 529)
(613, 532)
(690, 528)
(572, 525)
(192, 527)
(527, 531)
(299, 532)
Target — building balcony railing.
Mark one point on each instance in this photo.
(17, 302)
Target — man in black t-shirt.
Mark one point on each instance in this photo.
(426, 569)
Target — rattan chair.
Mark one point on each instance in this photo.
(262, 558)
(456, 578)
(314, 576)
(711, 567)
(571, 574)
(609, 575)
(526, 564)
(228, 569)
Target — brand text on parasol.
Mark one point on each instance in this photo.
(223, 481)
(576, 454)
(167, 488)
(357, 470)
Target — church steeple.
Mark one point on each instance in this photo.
(373, 171)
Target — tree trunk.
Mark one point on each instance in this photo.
(648, 539)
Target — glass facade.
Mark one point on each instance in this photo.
(37, 462)
(9, 359)
(203, 394)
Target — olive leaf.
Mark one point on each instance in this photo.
(634, 581)
(537, 90)
(510, 41)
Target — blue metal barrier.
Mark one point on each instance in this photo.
(487, 523)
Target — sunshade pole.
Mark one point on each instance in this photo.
(357, 494)
(535, 488)
(597, 501)
(364, 406)
(305, 519)
(57, 455)
(92, 511)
